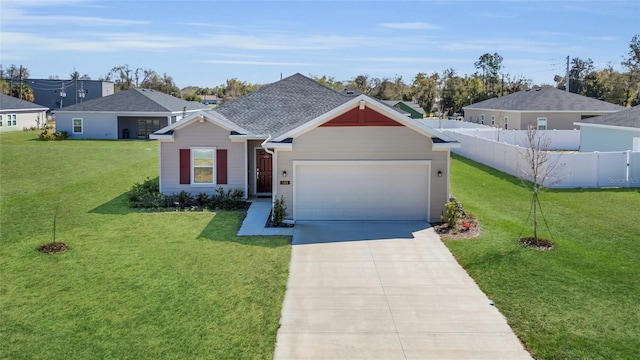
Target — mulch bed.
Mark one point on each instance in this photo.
(542, 244)
(53, 247)
(271, 224)
(466, 228)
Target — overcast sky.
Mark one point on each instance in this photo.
(204, 43)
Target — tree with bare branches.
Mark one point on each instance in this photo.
(537, 171)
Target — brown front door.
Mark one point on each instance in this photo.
(263, 171)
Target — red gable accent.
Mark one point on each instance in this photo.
(221, 166)
(366, 117)
(185, 166)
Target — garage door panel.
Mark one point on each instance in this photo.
(361, 192)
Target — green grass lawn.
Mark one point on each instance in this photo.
(134, 285)
(579, 301)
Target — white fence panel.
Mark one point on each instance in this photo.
(572, 170)
(634, 169)
(612, 169)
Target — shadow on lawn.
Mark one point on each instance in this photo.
(489, 170)
(116, 206)
(225, 225)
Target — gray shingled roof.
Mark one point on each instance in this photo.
(11, 103)
(136, 100)
(546, 99)
(282, 106)
(626, 118)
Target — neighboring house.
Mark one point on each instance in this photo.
(209, 99)
(56, 94)
(413, 110)
(614, 132)
(128, 114)
(330, 155)
(16, 114)
(545, 108)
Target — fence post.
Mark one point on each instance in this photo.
(628, 180)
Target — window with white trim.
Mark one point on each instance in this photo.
(493, 120)
(12, 120)
(542, 123)
(506, 122)
(203, 162)
(78, 126)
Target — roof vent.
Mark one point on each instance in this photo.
(538, 89)
(349, 92)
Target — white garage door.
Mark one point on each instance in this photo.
(361, 190)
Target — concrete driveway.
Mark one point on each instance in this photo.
(385, 290)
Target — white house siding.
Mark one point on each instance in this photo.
(604, 139)
(203, 134)
(365, 143)
(95, 126)
(24, 119)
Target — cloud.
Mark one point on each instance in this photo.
(409, 60)
(263, 63)
(411, 26)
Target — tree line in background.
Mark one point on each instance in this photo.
(444, 93)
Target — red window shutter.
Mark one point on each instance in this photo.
(185, 166)
(221, 166)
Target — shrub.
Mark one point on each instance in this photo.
(279, 211)
(145, 195)
(48, 134)
(453, 212)
(226, 199)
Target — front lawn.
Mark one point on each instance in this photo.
(134, 285)
(578, 301)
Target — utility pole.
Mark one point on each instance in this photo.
(20, 82)
(566, 78)
(81, 92)
(62, 93)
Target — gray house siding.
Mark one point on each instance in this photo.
(47, 92)
(603, 139)
(95, 126)
(199, 134)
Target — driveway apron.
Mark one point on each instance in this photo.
(385, 290)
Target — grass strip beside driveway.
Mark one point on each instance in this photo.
(579, 301)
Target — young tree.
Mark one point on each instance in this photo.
(537, 170)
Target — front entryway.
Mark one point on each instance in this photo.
(264, 171)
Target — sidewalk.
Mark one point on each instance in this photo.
(254, 223)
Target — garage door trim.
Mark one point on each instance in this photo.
(298, 163)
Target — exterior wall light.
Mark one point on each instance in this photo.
(284, 173)
(439, 173)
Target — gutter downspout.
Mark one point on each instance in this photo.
(274, 190)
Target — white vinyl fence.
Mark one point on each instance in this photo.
(572, 169)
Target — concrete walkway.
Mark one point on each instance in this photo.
(253, 223)
(375, 290)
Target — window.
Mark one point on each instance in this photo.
(0, 120)
(542, 123)
(493, 120)
(202, 165)
(77, 126)
(12, 120)
(506, 122)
